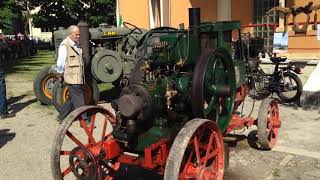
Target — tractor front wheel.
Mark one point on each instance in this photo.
(197, 152)
(61, 93)
(268, 123)
(43, 85)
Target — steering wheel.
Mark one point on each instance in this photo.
(165, 28)
(128, 25)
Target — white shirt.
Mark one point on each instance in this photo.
(62, 56)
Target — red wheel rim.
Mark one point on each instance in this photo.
(273, 123)
(204, 156)
(90, 142)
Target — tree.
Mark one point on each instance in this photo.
(56, 13)
(9, 13)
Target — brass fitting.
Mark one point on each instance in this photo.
(180, 63)
(168, 96)
(145, 66)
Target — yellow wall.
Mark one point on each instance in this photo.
(302, 17)
(242, 10)
(303, 46)
(135, 12)
(180, 11)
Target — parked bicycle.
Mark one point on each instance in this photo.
(283, 81)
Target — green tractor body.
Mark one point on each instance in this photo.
(180, 75)
(113, 51)
(171, 117)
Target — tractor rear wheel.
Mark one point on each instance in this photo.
(197, 152)
(43, 85)
(78, 147)
(61, 93)
(268, 123)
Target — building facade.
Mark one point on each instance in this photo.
(42, 34)
(252, 14)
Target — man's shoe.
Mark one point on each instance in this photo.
(7, 115)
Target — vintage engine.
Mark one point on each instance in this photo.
(180, 74)
(181, 100)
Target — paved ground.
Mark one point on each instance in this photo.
(25, 142)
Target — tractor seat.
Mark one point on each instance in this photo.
(278, 59)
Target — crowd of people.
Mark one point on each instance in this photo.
(11, 49)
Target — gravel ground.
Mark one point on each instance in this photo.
(25, 142)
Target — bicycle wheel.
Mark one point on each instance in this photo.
(290, 88)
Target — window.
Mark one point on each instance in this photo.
(259, 11)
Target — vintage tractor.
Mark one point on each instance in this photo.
(112, 49)
(180, 102)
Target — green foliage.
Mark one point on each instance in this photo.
(56, 13)
(8, 9)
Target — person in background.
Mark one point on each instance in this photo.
(3, 95)
(70, 66)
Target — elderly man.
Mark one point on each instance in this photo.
(71, 65)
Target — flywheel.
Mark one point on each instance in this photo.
(106, 66)
(214, 87)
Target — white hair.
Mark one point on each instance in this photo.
(72, 28)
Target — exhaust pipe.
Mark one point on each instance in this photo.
(194, 23)
(84, 42)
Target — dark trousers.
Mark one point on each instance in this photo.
(3, 95)
(75, 100)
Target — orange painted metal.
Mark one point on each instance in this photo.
(241, 94)
(150, 161)
(238, 122)
(112, 149)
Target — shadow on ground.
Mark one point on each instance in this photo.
(15, 99)
(6, 136)
(136, 173)
(252, 139)
(17, 107)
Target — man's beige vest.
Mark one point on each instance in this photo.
(74, 67)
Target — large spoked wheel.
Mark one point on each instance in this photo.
(43, 86)
(214, 87)
(197, 152)
(290, 88)
(61, 94)
(268, 123)
(77, 149)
